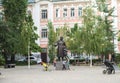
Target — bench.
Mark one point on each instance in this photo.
(9, 66)
(81, 62)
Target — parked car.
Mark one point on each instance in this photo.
(33, 58)
(22, 59)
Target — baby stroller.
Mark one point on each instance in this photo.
(109, 68)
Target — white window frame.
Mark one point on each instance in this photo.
(44, 14)
(79, 11)
(44, 33)
(72, 12)
(57, 13)
(65, 12)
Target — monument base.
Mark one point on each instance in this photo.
(59, 66)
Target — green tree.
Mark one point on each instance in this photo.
(4, 39)
(21, 26)
(89, 32)
(51, 41)
(73, 40)
(62, 31)
(90, 36)
(28, 36)
(15, 12)
(106, 23)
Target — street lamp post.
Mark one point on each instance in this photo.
(28, 54)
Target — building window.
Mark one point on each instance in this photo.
(64, 12)
(44, 14)
(80, 11)
(44, 33)
(72, 12)
(57, 13)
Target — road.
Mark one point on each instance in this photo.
(77, 74)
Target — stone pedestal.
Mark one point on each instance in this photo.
(59, 65)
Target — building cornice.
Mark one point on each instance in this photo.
(71, 1)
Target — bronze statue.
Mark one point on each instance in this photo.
(61, 49)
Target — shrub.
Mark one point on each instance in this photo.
(117, 58)
(119, 65)
(22, 63)
(2, 60)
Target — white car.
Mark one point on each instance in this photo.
(23, 59)
(33, 58)
(39, 60)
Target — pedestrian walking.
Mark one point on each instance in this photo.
(64, 67)
(54, 62)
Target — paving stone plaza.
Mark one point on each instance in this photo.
(77, 74)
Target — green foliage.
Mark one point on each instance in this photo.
(52, 40)
(2, 60)
(88, 38)
(54, 36)
(62, 31)
(119, 65)
(90, 30)
(24, 63)
(117, 58)
(96, 34)
(19, 27)
(74, 42)
(6, 39)
(14, 13)
(28, 36)
(106, 24)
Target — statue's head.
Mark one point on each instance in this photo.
(61, 38)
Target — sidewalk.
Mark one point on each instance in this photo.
(77, 74)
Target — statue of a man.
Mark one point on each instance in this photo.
(61, 49)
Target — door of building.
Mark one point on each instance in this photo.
(44, 55)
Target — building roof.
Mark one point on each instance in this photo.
(59, 0)
(56, 0)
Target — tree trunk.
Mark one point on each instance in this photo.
(5, 57)
(13, 58)
(91, 60)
